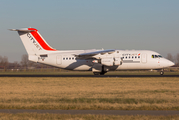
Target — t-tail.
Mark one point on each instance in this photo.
(34, 43)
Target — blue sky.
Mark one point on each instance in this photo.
(81, 24)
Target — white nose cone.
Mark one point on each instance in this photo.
(170, 63)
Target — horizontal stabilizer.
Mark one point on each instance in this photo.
(22, 30)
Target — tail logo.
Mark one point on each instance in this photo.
(38, 39)
(34, 42)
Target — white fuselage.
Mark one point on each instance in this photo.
(131, 60)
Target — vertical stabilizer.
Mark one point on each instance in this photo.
(33, 42)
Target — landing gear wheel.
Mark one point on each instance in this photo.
(161, 72)
(102, 73)
(96, 73)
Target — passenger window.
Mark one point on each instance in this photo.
(66, 58)
(129, 57)
(135, 56)
(72, 58)
(63, 58)
(126, 57)
(152, 56)
(132, 57)
(138, 56)
(69, 58)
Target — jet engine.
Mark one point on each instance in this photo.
(107, 61)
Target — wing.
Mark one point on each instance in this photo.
(91, 54)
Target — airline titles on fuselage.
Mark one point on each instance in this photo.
(135, 54)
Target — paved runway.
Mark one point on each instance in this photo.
(103, 112)
(6, 75)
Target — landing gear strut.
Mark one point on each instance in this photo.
(102, 72)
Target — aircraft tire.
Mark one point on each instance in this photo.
(102, 73)
(96, 73)
(161, 72)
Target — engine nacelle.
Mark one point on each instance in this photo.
(107, 61)
(118, 61)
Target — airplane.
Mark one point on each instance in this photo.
(98, 61)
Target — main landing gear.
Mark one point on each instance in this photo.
(100, 73)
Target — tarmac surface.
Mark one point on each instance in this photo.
(97, 112)
(6, 75)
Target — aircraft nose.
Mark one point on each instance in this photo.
(170, 63)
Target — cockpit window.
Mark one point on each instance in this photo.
(159, 56)
(156, 56)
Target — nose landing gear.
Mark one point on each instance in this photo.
(162, 72)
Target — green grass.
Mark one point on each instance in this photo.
(35, 116)
(89, 93)
(87, 100)
(55, 72)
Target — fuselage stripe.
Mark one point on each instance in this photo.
(130, 61)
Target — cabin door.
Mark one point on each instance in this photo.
(59, 60)
(144, 58)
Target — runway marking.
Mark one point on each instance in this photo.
(103, 112)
